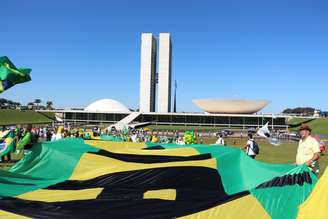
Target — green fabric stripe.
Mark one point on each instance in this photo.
(240, 173)
(278, 201)
(111, 138)
(46, 164)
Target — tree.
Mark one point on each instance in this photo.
(37, 102)
(307, 111)
(49, 105)
(30, 105)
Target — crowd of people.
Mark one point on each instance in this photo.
(19, 139)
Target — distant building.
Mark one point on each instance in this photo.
(148, 73)
(164, 73)
(149, 77)
(324, 114)
(230, 106)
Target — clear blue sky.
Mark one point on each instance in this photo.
(81, 51)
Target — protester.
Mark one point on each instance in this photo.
(48, 135)
(26, 142)
(308, 151)
(59, 135)
(220, 140)
(180, 141)
(154, 139)
(251, 148)
(134, 137)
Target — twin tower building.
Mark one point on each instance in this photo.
(155, 68)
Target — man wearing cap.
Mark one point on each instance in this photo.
(308, 151)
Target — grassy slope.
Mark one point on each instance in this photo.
(319, 126)
(13, 117)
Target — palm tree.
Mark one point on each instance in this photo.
(37, 102)
(49, 105)
(30, 105)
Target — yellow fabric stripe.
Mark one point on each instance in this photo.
(165, 194)
(61, 195)
(92, 165)
(136, 148)
(316, 204)
(246, 208)
(9, 215)
(112, 145)
(1, 87)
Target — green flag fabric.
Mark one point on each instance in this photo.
(10, 75)
(72, 178)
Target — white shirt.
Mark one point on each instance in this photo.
(134, 138)
(249, 149)
(220, 141)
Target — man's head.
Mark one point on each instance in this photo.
(28, 127)
(305, 131)
(250, 136)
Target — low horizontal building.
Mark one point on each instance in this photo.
(108, 111)
(198, 119)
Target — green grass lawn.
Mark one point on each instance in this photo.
(319, 126)
(14, 117)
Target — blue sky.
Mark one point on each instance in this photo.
(81, 51)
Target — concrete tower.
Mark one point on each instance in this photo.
(147, 73)
(164, 73)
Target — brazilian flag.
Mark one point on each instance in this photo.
(10, 75)
(75, 178)
(7, 143)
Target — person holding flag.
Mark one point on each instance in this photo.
(308, 151)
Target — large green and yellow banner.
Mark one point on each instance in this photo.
(73, 178)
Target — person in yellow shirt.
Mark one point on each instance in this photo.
(154, 139)
(308, 151)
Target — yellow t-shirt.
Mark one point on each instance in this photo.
(154, 139)
(306, 149)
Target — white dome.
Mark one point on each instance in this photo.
(107, 105)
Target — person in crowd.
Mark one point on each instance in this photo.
(251, 148)
(28, 139)
(134, 137)
(180, 141)
(59, 135)
(48, 135)
(220, 140)
(308, 151)
(154, 138)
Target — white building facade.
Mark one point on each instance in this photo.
(147, 73)
(149, 77)
(164, 73)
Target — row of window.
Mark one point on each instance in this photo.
(191, 119)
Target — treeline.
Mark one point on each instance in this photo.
(307, 111)
(36, 105)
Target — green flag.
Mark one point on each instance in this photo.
(10, 75)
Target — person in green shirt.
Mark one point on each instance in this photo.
(26, 141)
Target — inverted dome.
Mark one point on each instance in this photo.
(107, 105)
(231, 106)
